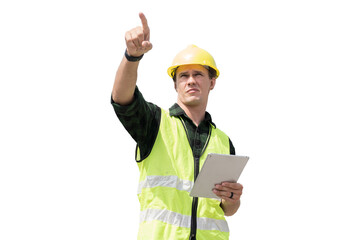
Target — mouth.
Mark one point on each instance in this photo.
(192, 90)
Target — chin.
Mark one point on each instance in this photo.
(193, 102)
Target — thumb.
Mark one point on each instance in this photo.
(146, 45)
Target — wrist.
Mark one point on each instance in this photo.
(230, 208)
(133, 58)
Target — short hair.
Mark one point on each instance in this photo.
(211, 71)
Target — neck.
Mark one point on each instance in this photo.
(196, 112)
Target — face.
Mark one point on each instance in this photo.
(193, 85)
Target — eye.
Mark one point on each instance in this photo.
(198, 73)
(183, 75)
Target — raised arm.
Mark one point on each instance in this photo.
(137, 44)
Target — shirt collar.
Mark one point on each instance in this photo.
(176, 111)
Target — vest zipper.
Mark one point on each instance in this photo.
(194, 203)
(196, 173)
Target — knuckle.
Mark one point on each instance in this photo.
(127, 35)
(139, 30)
(128, 40)
(140, 36)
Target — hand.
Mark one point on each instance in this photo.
(138, 39)
(225, 189)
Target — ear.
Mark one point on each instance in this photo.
(212, 83)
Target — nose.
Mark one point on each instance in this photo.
(191, 80)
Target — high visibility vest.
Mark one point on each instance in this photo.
(166, 178)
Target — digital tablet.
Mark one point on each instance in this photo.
(217, 168)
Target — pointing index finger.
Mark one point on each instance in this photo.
(144, 22)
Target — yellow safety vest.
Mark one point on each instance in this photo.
(166, 178)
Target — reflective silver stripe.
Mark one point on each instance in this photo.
(165, 216)
(180, 220)
(166, 181)
(212, 224)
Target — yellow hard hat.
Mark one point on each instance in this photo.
(193, 55)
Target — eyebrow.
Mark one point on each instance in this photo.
(183, 73)
(187, 72)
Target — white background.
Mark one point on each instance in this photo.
(288, 96)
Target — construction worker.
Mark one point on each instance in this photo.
(173, 144)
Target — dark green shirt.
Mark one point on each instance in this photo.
(142, 119)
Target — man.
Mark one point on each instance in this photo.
(172, 145)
